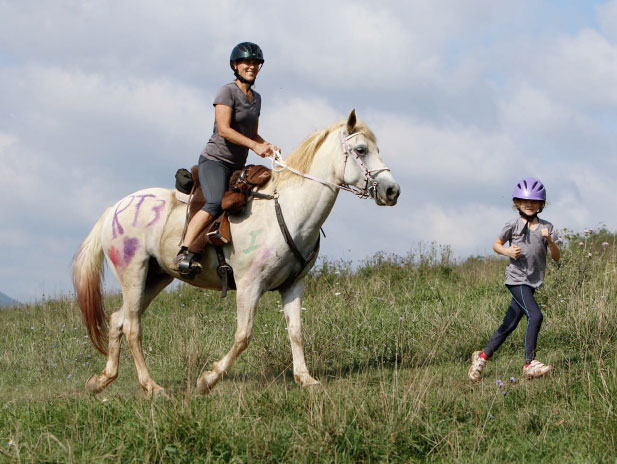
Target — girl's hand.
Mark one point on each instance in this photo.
(546, 235)
(513, 251)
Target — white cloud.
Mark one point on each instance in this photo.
(54, 97)
(579, 69)
(584, 197)
(431, 157)
(607, 18)
(530, 109)
(287, 122)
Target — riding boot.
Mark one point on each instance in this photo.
(187, 259)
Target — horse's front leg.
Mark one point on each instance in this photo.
(292, 305)
(246, 304)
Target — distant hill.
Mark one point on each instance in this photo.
(6, 301)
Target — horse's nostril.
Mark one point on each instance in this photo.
(392, 193)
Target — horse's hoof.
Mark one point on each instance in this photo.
(95, 384)
(306, 381)
(158, 392)
(206, 382)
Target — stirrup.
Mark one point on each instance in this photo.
(187, 266)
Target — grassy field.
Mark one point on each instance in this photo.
(390, 342)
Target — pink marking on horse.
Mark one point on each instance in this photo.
(116, 258)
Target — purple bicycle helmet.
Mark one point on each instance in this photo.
(529, 189)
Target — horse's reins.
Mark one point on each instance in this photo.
(369, 191)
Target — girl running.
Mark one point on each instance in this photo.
(529, 238)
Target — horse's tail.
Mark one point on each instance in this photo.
(87, 280)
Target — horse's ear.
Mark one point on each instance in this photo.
(351, 121)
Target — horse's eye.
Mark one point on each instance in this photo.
(361, 150)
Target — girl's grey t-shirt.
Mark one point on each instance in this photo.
(530, 267)
(244, 119)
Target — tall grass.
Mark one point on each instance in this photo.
(390, 341)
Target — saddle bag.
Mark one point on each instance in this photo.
(184, 181)
(241, 183)
(234, 202)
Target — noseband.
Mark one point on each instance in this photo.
(370, 185)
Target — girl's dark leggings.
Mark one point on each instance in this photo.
(523, 303)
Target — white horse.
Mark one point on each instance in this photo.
(139, 237)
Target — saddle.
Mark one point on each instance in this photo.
(241, 184)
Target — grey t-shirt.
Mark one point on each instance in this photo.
(530, 267)
(244, 119)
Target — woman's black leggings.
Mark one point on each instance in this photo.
(214, 179)
(523, 303)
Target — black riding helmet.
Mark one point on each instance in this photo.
(245, 51)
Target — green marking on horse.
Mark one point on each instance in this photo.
(252, 247)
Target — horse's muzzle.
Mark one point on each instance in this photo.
(387, 194)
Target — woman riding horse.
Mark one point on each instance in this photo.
(236, 109)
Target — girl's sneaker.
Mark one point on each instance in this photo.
(536, 369)
(477, 366)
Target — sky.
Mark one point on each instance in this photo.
(101, 98)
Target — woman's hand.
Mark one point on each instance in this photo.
(265, 149)
(262, 149)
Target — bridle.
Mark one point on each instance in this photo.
(370, 185)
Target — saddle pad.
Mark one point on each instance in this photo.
(182, 197)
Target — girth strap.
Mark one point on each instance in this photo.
(292, 246)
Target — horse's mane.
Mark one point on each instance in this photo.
(302, 157)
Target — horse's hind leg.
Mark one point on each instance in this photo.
(292, 305)
(246, 304)
(141, 298)
(127, 321)
(97, 383)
